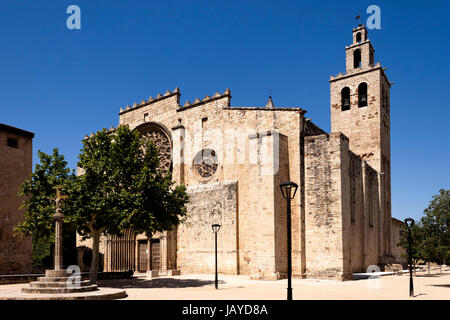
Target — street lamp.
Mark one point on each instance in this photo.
(409, 224)
(216, 228)
(288, 190)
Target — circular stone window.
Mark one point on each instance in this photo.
(205, 163)
(161, 140)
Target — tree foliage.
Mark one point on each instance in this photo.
(51, 171)
(431, 239)
(436, 223)
(38, 191)
(120, 187)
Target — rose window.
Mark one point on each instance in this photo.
(205, 163)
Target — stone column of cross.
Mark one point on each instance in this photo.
(58, 228)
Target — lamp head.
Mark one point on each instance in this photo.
(409, 222)
(288, 189)
(216, 227)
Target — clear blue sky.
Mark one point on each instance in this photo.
(62, 84)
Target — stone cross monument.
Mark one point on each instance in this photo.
(60, 284)
(58, 228)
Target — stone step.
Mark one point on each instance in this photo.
(88, 288)
(100, 294)
(56, 279)
(57, 273)
(57, 284)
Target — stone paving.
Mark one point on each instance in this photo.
(193, 287)
(201, 286)
(13, 292)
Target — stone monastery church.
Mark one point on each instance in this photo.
(233, 159)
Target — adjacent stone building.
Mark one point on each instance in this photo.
(233, 159)
(15, 167)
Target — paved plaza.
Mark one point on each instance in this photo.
(201, 286)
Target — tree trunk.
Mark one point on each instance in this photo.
(429, 268)
(95, 257)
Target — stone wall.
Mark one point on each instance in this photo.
(15, 168)
(210, 204)
(372, 243)
(342, 209)
(357, 218)
(327, 184)
(364, 214)
(397, 251)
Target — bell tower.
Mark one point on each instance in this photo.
(360, 109)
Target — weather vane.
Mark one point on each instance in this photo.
(358, 17)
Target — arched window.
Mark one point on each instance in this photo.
(345, 99)
(362, 95)
(356, 58)
(358, 37)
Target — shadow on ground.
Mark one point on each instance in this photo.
(156, 283)
(420, 294)
(440, 285)
(436, 275)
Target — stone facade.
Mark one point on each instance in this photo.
(15, 167)
(232, 159)
(397, 251)
(209, 204)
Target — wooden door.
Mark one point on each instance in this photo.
(155, 254)
(143, 256)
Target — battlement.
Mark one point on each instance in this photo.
(111, 129)
(152, 100)
(177, 92)
(206, 99)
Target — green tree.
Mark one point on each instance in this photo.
(436, 221)
(416, 236)
(37, 191)
(430, 234)
(121, 187)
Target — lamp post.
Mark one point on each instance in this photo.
(216, 228)
(409, 224)
(288, 190)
